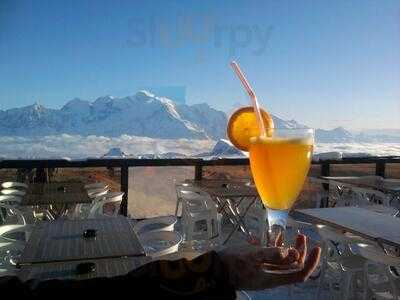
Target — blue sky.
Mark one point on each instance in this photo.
(323, 63)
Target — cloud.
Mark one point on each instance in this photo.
(381, 149)
(76, 146)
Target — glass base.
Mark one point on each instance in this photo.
(274, 237)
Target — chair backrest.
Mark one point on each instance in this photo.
(12, 184)
(165, 223)
(9, 213)
(97, 209)
(114, 195)
(193, 205)
(12, 200)
(374, 254)
(13, 192)
(96, 185)
(370, 196)
(335, 240)
(7, 230)
(95, 193)
(189, 192)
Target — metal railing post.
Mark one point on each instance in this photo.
(380, 168)
(198, 171)
(325, 171)
(125, 189)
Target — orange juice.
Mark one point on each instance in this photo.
(279, 167)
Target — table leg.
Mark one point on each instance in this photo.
(237, 221)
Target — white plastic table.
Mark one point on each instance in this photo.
(371, 225)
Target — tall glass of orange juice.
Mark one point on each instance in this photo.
(279, 165)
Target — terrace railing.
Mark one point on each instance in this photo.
(198, 164)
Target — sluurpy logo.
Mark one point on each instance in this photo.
(200, 33)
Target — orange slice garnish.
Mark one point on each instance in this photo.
(243, 125)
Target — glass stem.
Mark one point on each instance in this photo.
(277, 220)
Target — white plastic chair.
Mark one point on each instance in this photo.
(187, 191)
(11, 247)
(13, 185)
(28, 212)
(13, 192)
(159, 243)
(11, 200)
(200, 218)
(95, 193)
(165, 223)
(373, 196)
(11, 214)
(97, 208)
(95, 185)
(82, 210)
(7, 230)
(381, 262)
(337, 258)
(9, 252)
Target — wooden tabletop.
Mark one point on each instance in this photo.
(55, 193)
(63, 240)
(360, 221)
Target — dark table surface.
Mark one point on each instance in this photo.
(55, 193)
(63, 240)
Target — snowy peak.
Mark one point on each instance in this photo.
(280, 123)
(338, 134)
(224, 148)
(144, 95)
(76, 105)
(115, 153)
(103, 100)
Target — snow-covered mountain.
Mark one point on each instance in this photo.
(143, 114)
(115, 153)
(341, 135)
(223, 148)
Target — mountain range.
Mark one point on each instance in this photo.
(141, 115)
(146, 115)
